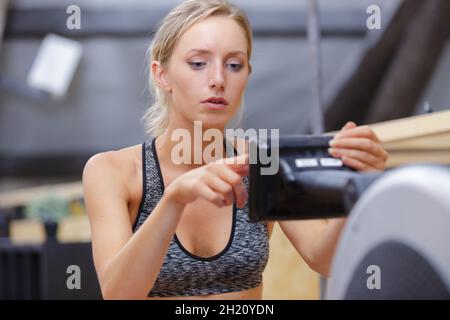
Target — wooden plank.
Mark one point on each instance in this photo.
(26, 231)
(3, 13)
(413, 127)
(430, 142)
(70, 229)
(287, 276)
(74, 229)
(403, 158)
(413, 63)
(358, 88)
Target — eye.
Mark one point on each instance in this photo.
(235, 67)
(197, 65)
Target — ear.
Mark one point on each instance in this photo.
(160, 76)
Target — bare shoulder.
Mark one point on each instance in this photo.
(117, 167)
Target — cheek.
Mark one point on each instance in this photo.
(237, 87)
(184, 89)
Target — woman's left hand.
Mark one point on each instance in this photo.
(359, 148)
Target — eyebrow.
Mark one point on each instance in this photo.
(231, 53)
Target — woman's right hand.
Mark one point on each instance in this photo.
(219, 182)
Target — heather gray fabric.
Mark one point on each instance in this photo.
(237, 267)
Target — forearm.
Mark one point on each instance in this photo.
(323, 249)
(132, 272)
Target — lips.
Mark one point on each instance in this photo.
(216, 100)
(216, 103)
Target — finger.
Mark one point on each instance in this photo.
(362, 144)
(235, 180)
(241, 171)
(239, 190)
(241, 194)
(358, 165)
(362, 156)
(224, 172)
(361, 131)
(348, 125)
(238, 164)
(210, 195)
(220, 186)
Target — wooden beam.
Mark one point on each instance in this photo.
(3, 14)
(413, 64)
(400, 158)
(413, 127)
(431, 142)
(353, 99)
(418, 139)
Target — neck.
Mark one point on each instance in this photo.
(191, 137)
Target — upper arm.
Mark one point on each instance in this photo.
(106, 202)
(302, 234)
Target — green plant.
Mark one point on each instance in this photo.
(47, 208)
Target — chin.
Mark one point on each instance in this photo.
(214, 121)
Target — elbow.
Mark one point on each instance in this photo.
(114, 286)
(113, 291)
(320, 264)
(322, 269)
(115, 294)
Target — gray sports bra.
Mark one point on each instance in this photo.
(237, 267)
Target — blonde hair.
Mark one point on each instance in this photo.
(177, 21)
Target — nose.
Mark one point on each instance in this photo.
(217, 78)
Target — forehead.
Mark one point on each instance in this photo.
(214, 34)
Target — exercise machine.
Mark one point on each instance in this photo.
(395, 242)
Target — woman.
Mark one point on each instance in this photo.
(167, 230)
